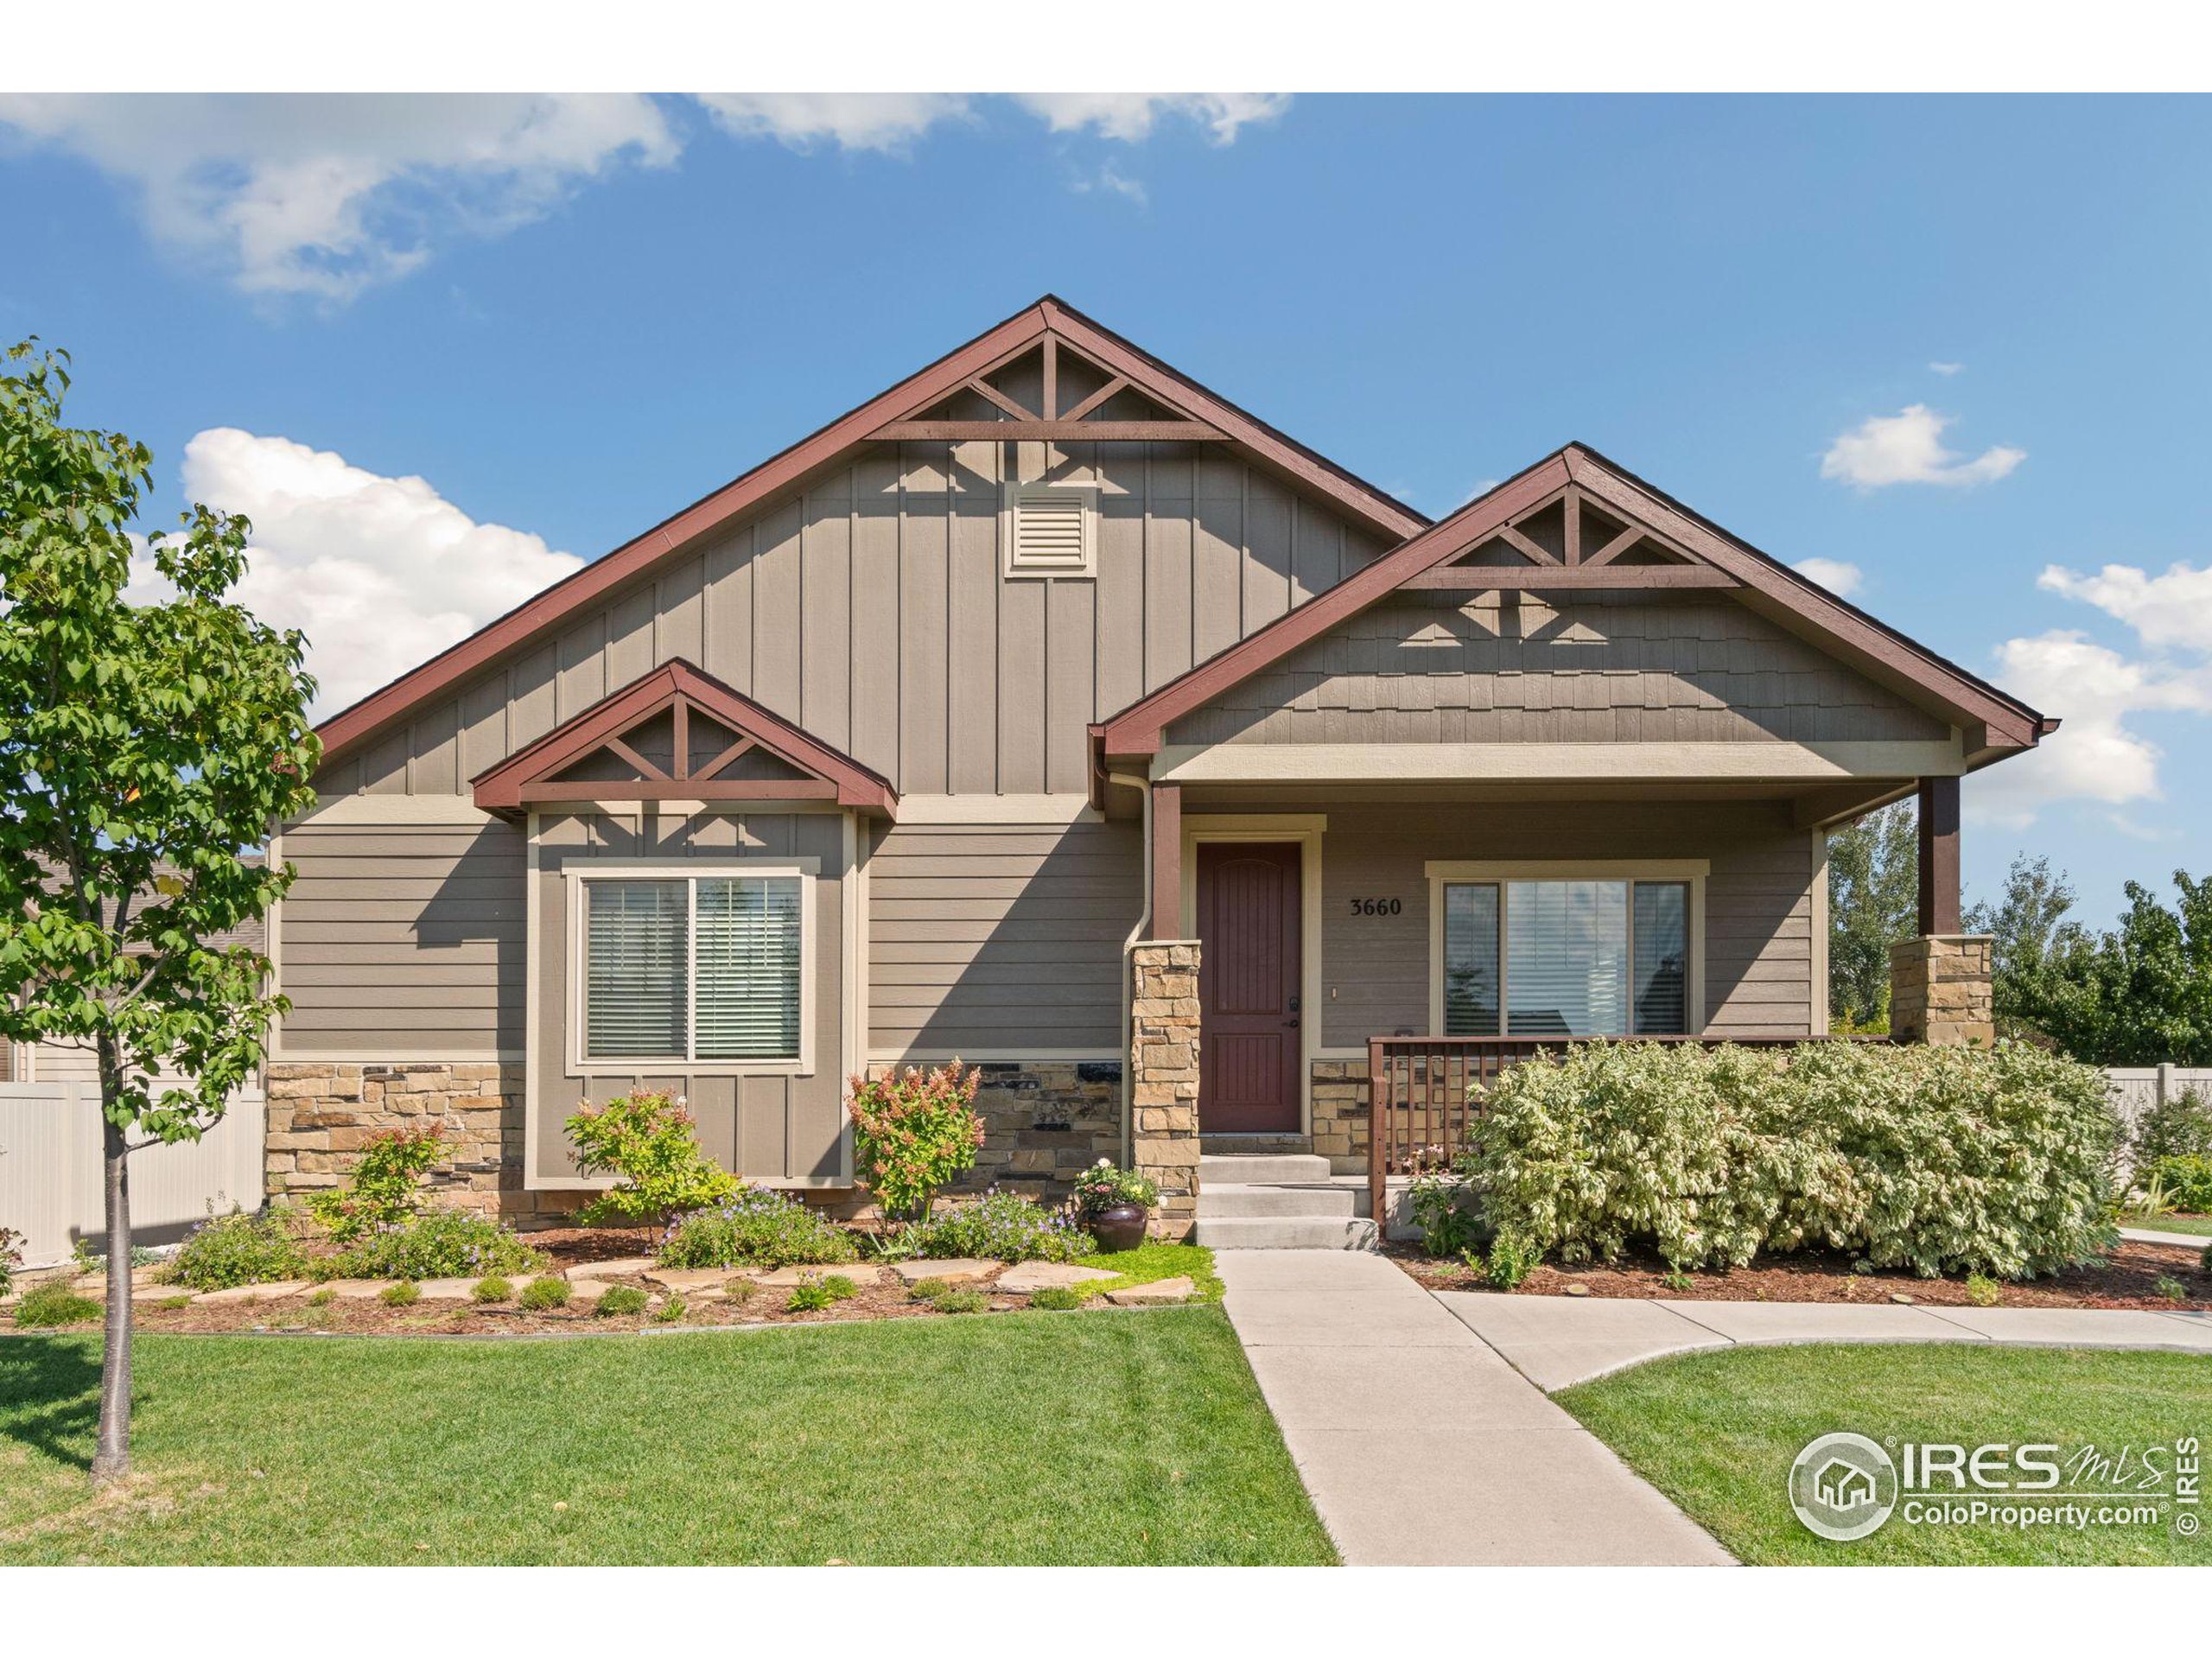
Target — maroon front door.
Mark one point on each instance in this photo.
(1248, 901)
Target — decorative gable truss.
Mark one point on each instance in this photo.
(1052, 390)
(679, 735)
(1567, 541)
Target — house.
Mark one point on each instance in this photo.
(1050, 711)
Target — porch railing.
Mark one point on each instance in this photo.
(1423, 1093)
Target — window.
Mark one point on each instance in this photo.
(689, 969)
(1048, 529)
(1573, 958)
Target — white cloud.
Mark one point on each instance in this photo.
(381, 573)
(884, 121)
(1837, 575)
(1110, 180)
(1130, 117)
(1947, 369)
(2171, 609)
(1907, 448)
(326, 195)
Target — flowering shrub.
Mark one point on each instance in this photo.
(648, 1140)
(754, 1227)
(1102, 1186)
(912, 1133)
(1937, 1159)
(11, 1256)
(240, 1249)
(382, 1192)
(1001, 1227)
(442, 1245)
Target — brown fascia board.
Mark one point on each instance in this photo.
(499, 788)
(352, 726)
(1769, 586)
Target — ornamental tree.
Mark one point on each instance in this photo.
(912, 1132)
(144, 750)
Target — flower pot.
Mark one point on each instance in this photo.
(1119, 1226)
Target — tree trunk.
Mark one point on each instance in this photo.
(112, 1459)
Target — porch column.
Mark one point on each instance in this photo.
(1163, 1075)
(1165, 864)
(1939, 982)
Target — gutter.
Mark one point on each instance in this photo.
(1128, 946)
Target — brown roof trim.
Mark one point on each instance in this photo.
(1137, 730)
(507, 787)
(351, 726)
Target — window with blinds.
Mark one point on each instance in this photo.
(1566, 958)
(693, 967)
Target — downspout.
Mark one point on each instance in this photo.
(1143, 786)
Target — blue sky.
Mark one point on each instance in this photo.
(1955, 343)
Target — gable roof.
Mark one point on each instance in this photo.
(1049, 319)
(678, 689)
(1674, 547)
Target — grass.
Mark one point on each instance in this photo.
(1717, 1433)
(1153, 1260)
(2197, 1226)
(1112, 1438)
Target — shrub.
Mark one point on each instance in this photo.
(11, 1256)
(2180, 1127)
(241, 1249)
(541, 1293)
(382, 1192)
(1450, 1215)
(322, 1298)
(669, 1311)
(809, 1297)
(912, 1133)
(1001, 1227)
(618, 1301)
(755, 1227)
(840, 1287)
(1938, 1159)
(2205, 1261)
(405, 1293)
(962, 1301)
(2183, 1182)
(2170, 1288)
(1983, 1291)
(55, 1302)
(439, 1244)
(649, 1142)
(1057, 1298)
(740, 1290)
(1511, 1260)
(1102, 1186)
(922, 1290)
(492, 1288)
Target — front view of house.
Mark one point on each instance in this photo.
(1050, 712)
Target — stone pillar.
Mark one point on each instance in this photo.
(1940, 990)
(1164, 1079)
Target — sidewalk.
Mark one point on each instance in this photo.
(1557, 1341)
(2152, 1236)
(1421, 1447)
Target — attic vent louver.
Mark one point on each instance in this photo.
(1047, 530)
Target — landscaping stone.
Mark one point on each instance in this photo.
(445, 1290)
(1161, 1290)
(584, 1292)
(359, 1290)
(691, 1280)
(252, 1293)
(627, 1267)
(785, 1277)
(951, 1270)
(1025, 1278)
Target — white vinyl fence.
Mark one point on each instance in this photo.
(51, 1180)
(2137, 1089)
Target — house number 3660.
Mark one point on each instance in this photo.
(1377, 906)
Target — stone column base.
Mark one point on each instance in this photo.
(1164, 1079)
(1940, 990)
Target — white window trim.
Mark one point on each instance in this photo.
(1691, 870)
(579, 871)
(1011, 494)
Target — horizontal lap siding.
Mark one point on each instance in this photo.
(1436, 668)
(399, 941)
(1758, 901)
(1000, 939)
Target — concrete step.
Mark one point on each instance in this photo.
(1252, 1198)
(1264, 1169)
(1231, 1146)
(1284, 1233)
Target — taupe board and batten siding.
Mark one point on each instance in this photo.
(872, 611)
(1758, 901)
(1437, 667)
(999, 940)
(402, 940)
(767, 1126)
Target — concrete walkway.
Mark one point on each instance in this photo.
(1420, 1445)
(1557, 1341)
(2152, 1236)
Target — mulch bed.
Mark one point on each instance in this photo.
(2125, 1278)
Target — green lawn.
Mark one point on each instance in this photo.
(1717, 1433)
(2201, 1226)
(1134, 1437)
